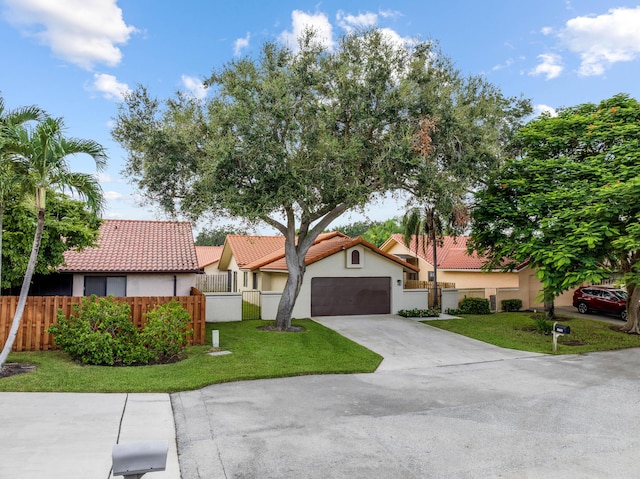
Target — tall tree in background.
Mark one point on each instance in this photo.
(41, 157)
(217, 236)
(568, 204)
(10, 123)
(64, 218)
(375, 232)
(460, 143)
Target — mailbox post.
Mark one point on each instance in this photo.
(134, 459)
(559, 330)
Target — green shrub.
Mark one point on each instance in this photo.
(543, 325)
(419, 313)
(99, 331)
(474, 306)
(165, 332)
(511, 304)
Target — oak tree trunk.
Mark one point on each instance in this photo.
(295, 256)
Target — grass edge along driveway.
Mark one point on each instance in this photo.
(518, 331)
(255, 354)
(259, 354)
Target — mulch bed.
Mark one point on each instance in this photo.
(11, 369)
(291, 329)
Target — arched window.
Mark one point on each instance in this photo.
(355, 257)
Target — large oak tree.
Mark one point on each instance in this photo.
(293, 138)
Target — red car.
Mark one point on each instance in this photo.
(601, 298)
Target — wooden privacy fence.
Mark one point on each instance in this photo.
(213, 283)
(41, 312)
(415, 284)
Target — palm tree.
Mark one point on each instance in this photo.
(10, 122)
(445, 212)
(40, 156)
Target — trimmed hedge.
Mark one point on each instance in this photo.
(474, 306)
(511, 305)
(101, 332)
(419, 313)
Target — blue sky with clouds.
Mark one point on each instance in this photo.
(76, 58)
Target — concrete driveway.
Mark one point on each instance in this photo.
(440, 406)
(572, 312)
(407, 344)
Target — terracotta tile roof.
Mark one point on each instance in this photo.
(246, 249)
(208, 255)
(451, 255)
(137, 246)
(324, 246)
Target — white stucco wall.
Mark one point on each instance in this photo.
(414, 298)
(223, 307)
(212, 268)
(269, 301)
(154, 284)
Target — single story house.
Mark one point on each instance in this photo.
(209, 258)
(134, 258)
(344, 276)
(455, 264)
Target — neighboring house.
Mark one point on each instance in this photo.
(209, 258)
(530, 290)
(239, 251)
(344, 276)
(135, 258)
(455, 264)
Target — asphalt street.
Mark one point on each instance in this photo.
(439, 406)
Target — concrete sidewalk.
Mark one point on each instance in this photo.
(67, 435)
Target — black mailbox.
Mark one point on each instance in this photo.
(561, 329)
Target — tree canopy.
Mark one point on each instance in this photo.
(568, 202)
(217, 236)
(295, 138)
(65, 218)
(375, 232)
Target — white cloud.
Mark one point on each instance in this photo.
(550, 66)
(109, 86)
(241, 44)
(539, 109)
(104, 177)
(112, 195)
(546, 30)
(604, 40)
(83, 32)
(504, 65)
(351, 22)
(390, 14)
(395, 39)
(194, 86)
(300, 21)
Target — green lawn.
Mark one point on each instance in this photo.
(517, 331)
(255, 354)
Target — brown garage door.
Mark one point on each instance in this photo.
(349, 296)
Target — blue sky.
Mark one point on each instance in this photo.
(75, 58)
